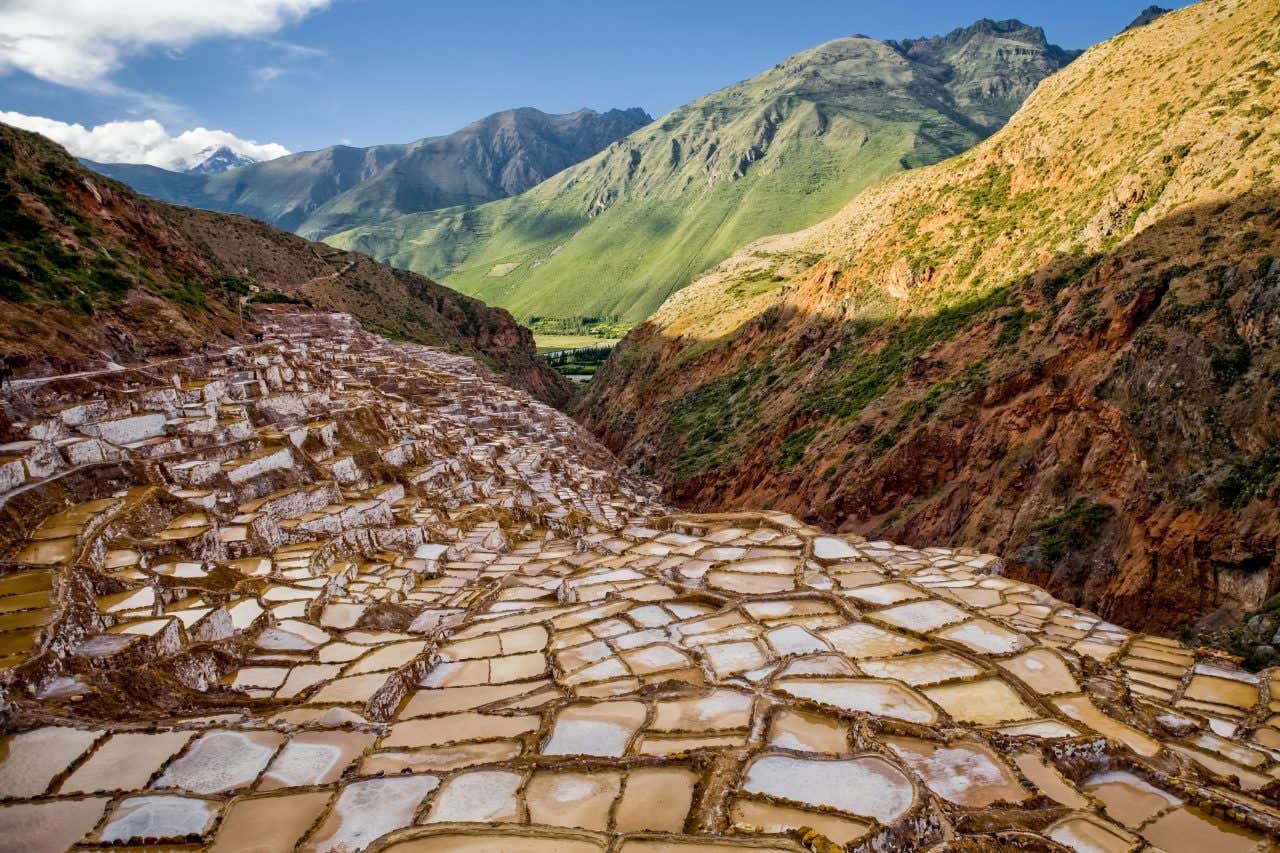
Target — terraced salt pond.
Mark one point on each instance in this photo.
(331, 593)
(865, 786)
(968, 774)
(870, 696)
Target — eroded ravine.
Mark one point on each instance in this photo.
(335, 593)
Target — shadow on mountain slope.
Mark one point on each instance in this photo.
(1108, 423)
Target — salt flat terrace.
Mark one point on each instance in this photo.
(333, 593)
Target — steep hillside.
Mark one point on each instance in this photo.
(319, 192)
(1062, 346)
(611, 238)
(90, 272)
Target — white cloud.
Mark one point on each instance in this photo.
(295, 51)
(81, 42)
(267, 73)
(142, 141)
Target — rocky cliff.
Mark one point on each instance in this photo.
(92, 273)
(1060, 346)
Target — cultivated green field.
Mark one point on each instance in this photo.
(555, 343)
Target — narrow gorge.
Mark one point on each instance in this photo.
(946, 523)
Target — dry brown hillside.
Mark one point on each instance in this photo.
(1060, 346)
(91, 272)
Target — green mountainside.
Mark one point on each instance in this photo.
(609, 239)
(316, 193)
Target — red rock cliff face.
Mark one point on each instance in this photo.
(91, 272)
(1061, 346)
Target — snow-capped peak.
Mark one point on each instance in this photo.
(220, 159)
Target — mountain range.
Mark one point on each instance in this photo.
(611, 237)
(1062, 345)
(316, 193)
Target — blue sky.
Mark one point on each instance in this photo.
(370, 71)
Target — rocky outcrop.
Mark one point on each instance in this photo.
(1146, 16)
